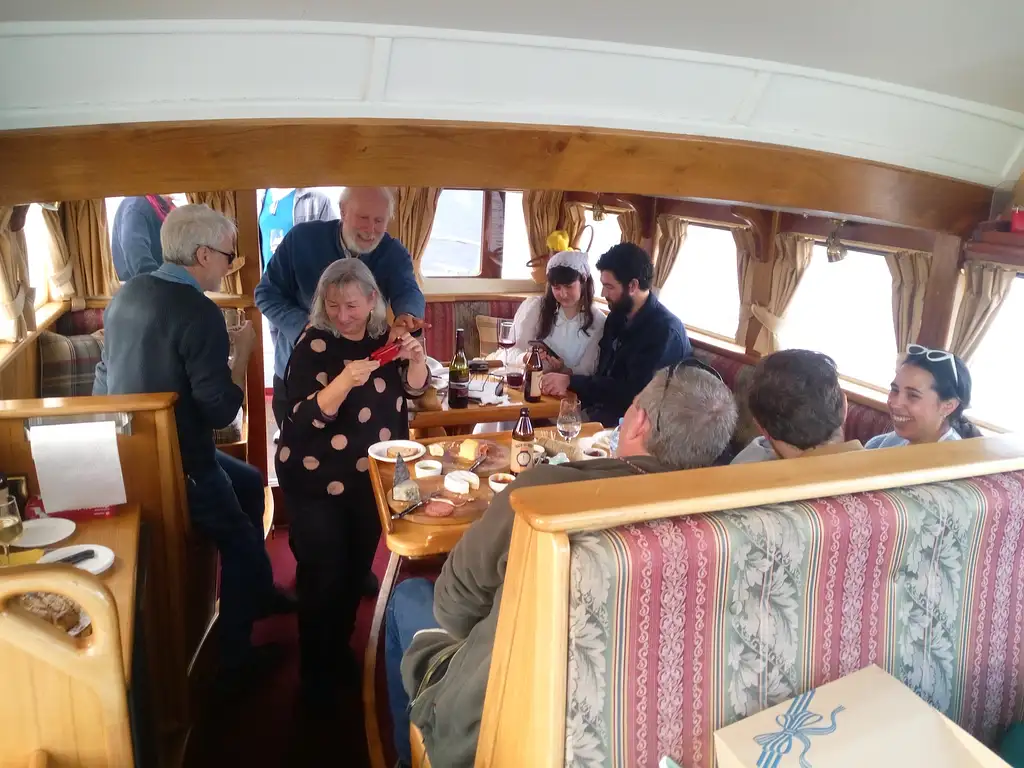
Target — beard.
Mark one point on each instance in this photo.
(355, 246)
(623, 305)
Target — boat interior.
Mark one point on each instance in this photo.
(849, 182)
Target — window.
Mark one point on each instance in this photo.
(702, 289)
(845, 310)
(995, 396)
(606, 234)
(454, 246)
(515, 251)
(37, 243)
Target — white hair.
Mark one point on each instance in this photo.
(344, 272)
(189, 227)
(386, 192)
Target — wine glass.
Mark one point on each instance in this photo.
(570, 421)
(10, 525)
(506, 336)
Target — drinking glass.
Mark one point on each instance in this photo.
(506, 337)
(10, 525)
(570, 421)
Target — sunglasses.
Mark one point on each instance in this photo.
(934, 356)
(690, 362)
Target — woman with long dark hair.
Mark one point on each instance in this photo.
(565, 318)
(927, 399)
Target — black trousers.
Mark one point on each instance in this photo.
(333, 542)
(279, 402)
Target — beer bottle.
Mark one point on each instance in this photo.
(531, 382)
(458, 374)
(522, 443)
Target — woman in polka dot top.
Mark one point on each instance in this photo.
(340, 403)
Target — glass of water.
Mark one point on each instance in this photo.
(570, 420)
(10, 525)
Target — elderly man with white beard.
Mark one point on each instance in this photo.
(291, 276)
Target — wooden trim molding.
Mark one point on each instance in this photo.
(83, 162)
(46, 316)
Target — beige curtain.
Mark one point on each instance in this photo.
(909, 270)
(631, 227)
(542, 210)
(84, 223)
(573, 222)
(17, 313)
(746, 254)
(670, 238)
(223, 201)
(792, 258)
(66, 277)
(413, 220)
(986, 287)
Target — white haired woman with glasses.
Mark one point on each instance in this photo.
(340, 402)
(927, 399)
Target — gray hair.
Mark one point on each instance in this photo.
(189, 227)
(697, 417)
(387, 192)
(344, 272)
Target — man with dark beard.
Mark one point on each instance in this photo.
(641, 336)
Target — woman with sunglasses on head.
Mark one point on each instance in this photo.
(927, 399)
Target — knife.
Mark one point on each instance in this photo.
(78, 557)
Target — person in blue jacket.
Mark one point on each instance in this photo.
(289, 281)
(641, 336)
(135, 235)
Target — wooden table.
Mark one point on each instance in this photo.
(454, 418)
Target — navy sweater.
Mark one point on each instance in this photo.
(632, 351)
(161, 336)
(286, 290)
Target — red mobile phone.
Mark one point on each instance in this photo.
(387, 353)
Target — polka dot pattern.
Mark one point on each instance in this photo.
(322, 378)
(364, 415)
(398, 404)
(284, 453)
(363, 464)
(336, 488)
(379, 385)
(296, 408)
(318, 424)
(385, 434)
(338, 442)
(310, 462)
(318, 345)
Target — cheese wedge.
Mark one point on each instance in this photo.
(469, 450)
(407, 491)
(436, 449)
(470, 478)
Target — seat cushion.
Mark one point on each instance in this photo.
(67, 364)
(679, 627)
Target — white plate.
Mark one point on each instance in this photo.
(96, 565)
(379, 451)
(435, 368)
(44, 532)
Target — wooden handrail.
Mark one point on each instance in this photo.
(599, 504)
(70, 406)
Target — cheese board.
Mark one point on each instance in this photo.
(468, 509)
(462, 453)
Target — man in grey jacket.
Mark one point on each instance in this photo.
(682, 419)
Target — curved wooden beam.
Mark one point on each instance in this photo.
(104, 160)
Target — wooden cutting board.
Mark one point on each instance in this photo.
(471, 510)
(498, 458)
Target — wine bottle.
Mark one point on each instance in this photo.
(458, 374)
(531, 381)
(522, 443)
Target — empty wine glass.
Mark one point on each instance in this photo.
(10, 525)
(570, 421)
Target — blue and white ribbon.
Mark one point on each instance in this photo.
(796, 723)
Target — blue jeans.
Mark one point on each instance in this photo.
(226, 505)
(411, 609)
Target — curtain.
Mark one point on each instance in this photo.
(792, 258)
(670, 238)
(542, 210)
(84, 223)
(573, 222)
(223, 202)
(17, 310)
(746, 254)
(986, 287)
(66, 277)
(909, 270)
(413, 220)
(631, 227)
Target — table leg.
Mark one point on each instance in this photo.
(375, 746)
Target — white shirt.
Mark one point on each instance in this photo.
(578, 349)
(892, 440)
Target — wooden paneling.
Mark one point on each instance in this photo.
(940, 293)
(19, 376)
(96, 161)
(900, 238)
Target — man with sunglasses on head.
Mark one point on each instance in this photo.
(683, 419)
(162, 334)
(640, 336)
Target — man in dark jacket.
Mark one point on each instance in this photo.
(162, 334)
(683, 419)
(640, 336)
(290, 279)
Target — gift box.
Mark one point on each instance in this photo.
(867, 718)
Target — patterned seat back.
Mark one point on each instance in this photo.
(679, 627)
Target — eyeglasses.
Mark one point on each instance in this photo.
(690, 362)
(230, 256)
(934, 356)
